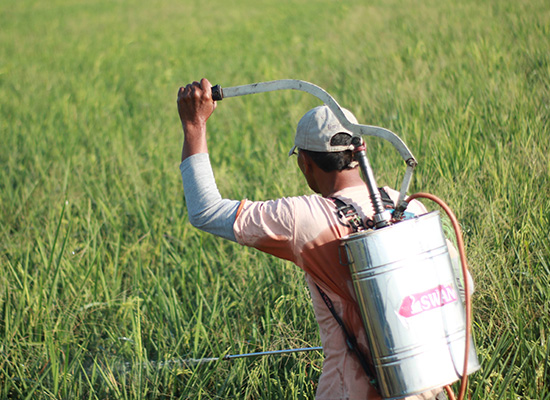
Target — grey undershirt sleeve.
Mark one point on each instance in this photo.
(206, 209)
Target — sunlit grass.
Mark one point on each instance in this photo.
(102, 276)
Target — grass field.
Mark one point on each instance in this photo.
(100, 270)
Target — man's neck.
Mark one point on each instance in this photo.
(332, 182)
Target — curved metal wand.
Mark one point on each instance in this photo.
(219, 93)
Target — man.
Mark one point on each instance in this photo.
(305, 230)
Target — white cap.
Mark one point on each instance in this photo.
(316, 129)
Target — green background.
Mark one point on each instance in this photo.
(100, 270)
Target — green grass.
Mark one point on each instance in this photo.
(100, 270)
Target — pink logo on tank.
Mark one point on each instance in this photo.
(415, 304)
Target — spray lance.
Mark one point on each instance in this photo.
(418, 327)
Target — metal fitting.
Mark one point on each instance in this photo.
(382, 219)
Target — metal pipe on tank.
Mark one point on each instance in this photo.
(382, 216)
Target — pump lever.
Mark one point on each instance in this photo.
(358, 130)
(283, 84)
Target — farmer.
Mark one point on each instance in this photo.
(305, 230)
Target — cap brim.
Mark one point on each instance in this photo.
(291, 152)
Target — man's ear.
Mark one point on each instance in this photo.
(308, 162)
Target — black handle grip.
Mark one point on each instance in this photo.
(217, 93)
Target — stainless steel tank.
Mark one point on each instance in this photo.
(410, 305)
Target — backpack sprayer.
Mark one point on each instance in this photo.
(418, 326)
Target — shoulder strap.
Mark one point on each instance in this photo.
(389, 205)
(349, 213)
(350, 339)
(386, 199)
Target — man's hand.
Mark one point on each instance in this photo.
(195, 105)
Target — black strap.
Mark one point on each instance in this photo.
(349, 213)
(350, 339)
(386, 199)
